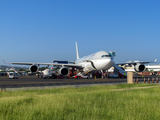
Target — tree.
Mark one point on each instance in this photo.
(146, 70)
(42, 68)
(21, 69)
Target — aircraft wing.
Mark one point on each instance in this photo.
(56, 64)
(137, 62)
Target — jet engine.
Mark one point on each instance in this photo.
(33, 68)
(63, 71)
(139, 67)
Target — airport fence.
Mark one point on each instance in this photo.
(150, 79)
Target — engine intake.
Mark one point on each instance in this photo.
(33, 68)
(63, 71)
(139, 67)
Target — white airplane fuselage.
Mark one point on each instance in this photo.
(101, 60)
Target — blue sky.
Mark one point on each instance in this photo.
(45, 30)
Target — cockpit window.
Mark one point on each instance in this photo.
(106, 55)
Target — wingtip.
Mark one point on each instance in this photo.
(3, 61)
(155, 60)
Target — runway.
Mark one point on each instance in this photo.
(33, 81)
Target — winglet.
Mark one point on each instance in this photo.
(3, 61)
(155, 60)
(77, 51)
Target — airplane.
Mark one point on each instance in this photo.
(138, 65)
(98, 61)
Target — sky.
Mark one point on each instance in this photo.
(46, 30)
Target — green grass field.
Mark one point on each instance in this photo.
(117, 102)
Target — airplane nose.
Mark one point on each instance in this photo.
(104, 64)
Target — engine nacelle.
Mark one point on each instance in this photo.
(139, 67)
(33, 68)
(63, 71)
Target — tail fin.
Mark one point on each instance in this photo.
(77, 51)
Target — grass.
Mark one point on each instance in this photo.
(85, 103)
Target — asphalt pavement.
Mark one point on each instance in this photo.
(34, 81)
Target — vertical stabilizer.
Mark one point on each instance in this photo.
(77, 51)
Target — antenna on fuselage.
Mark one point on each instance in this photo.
(77, 51)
